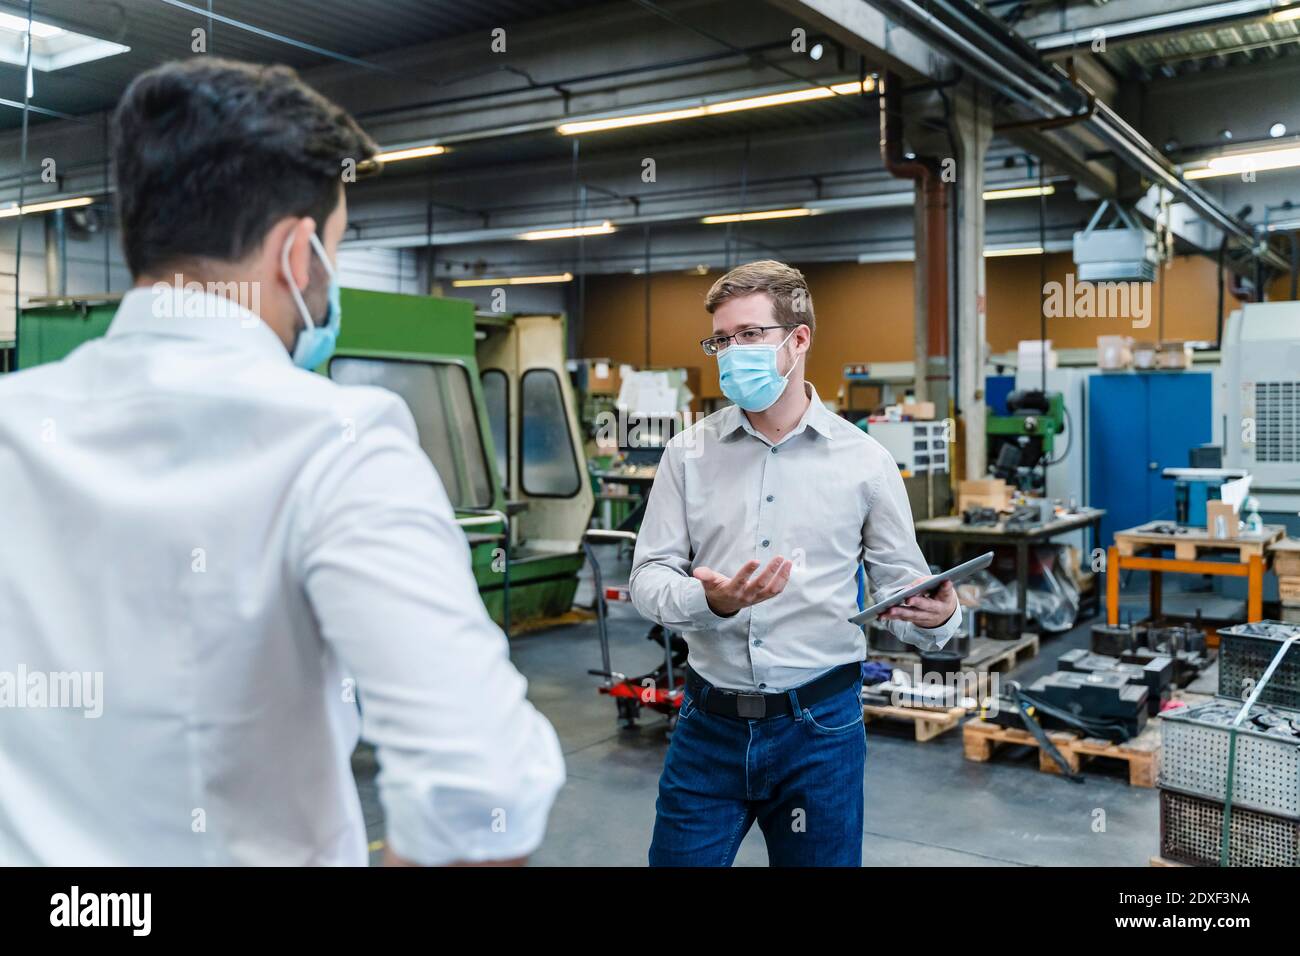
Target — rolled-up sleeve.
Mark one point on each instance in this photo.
(893, 559)
(469, 768)
(661, 584)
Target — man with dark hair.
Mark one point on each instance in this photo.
(234, 549)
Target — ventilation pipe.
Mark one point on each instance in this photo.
(56, 253)
(931, 277)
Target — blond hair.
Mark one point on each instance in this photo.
(784, 285)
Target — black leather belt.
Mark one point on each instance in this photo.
(752, 706)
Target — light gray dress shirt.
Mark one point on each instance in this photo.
(826, 496)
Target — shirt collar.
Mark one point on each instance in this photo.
(188, 311)
(816, 416)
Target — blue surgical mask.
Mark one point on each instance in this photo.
(315, 342)
(749, 375)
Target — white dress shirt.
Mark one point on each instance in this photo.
(827, 496)
(235, 550)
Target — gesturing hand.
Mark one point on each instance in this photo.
(926, 610)
(727, 595)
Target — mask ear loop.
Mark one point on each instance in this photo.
(786, 376)
(293, 286)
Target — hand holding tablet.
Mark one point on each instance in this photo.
(934, 587)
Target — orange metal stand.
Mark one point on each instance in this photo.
(1252, 570)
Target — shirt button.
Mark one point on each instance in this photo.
(766, 542)
(758, 643)
(774, 449)
(771, 497)
(762, 687)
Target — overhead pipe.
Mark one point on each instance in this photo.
(930, 336)
(991, 50)
(56, 253)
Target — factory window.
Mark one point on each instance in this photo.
(496, 396)
(442, 403)
(548, 465)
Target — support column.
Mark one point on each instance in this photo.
(973, 125)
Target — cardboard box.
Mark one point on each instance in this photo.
(1114, 351)
(1225, 528)
(1288, 591)
(1286, 557)
(920, 411)
(603, 377)
(983, 493)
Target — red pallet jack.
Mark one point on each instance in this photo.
(659, 690)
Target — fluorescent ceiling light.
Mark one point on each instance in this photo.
(1018, 192)
(514, 280)
(17, 24)
(9, 211)
(570, 232)
(53, 48)
(752, 216)
(715, 109)
(1289, 13)
(414, 152)
(1236, 163)
(1013, 251)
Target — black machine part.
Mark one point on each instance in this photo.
(1029, 401)
(1101, 705)
(1156, 674)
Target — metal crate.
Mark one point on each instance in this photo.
(1191, 831)
(1245, 650)
(1194, 759)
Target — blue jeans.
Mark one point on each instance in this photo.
(800, 776)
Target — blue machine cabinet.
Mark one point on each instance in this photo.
(1139, 424)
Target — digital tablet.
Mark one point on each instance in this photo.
(960, 573)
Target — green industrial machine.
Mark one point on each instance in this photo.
(49, 328)
(494, 410)
(1024, 438)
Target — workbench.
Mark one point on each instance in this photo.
(952, 530)
(638, 477)
(1132, 552)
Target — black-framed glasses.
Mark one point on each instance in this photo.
(751, 336)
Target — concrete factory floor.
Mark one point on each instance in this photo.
(926, 804)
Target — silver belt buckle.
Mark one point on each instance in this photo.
(751, 706)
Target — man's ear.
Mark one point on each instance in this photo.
(803, 335)
(300, 251)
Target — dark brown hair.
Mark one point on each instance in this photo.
(208, 154)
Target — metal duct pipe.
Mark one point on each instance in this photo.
(56, 253)
(987, 48)
(931, 314)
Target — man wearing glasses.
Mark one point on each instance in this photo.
(758, 520)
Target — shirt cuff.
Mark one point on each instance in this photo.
(697, 607)
(936, 637)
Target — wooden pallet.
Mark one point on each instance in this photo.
(980, 739)
(929, 722)
(1194, 543)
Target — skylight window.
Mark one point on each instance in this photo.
(53, 48)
